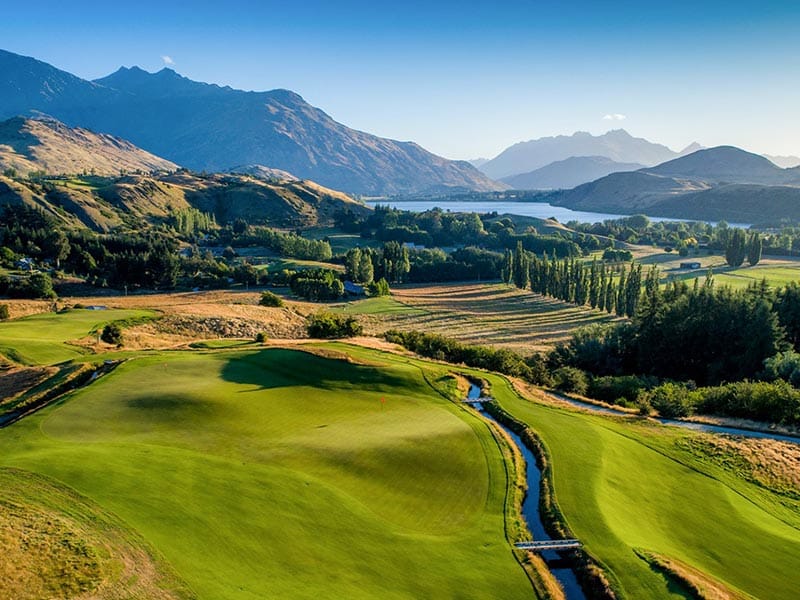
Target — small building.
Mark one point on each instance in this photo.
(354, 289)
(25, 264)
(690, 265)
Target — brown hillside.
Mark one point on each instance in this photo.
(50, 146)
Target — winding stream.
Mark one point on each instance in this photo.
(704, 427)
(559, 566)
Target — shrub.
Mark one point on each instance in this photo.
(261, 337)
(671, 400)
(329, 325)
(622, 389)
(112, 334)
(775, 402)
(570, 379)
(4, 314)
(270, 299)
(784, 365)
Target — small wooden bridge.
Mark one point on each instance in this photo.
(542, 545)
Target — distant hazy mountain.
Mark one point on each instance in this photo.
(691, 148)
(785, 162)
(568, 173)
(208, 127)
(48, 145)
(717, 183)
(618, 145)
(725, 164)
(478, 162)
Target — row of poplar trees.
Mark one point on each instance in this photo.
(573, 281)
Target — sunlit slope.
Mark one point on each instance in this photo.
(624, 486)
(280, 474)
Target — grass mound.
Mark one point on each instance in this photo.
(278, 473)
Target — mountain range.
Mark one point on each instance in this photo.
(207, 127)
(715, 183)
(568, 173)
(617, 145)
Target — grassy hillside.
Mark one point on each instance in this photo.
(134, 201)
(627, 485)
(278, 473)
(49, 146)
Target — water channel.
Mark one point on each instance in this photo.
(559, 566)
(704, 427)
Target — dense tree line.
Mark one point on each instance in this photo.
(437, 228)
(289, 245)
(483, 357)
(703, 334)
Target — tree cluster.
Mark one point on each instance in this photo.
(327, 325)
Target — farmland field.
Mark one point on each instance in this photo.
(626, 485)
(494, 314)
(279, 473)
(777, 271)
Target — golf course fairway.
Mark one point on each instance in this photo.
(625, 485)
(41, 339)
(276, 473)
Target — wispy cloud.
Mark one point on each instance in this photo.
(614, 117)
(168, 60)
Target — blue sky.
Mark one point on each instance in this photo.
(464, 79)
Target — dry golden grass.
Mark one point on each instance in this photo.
(771, 463)
(16, 380)
(701, 585)
(53, 552)
(492, 314)
(195, 316)
(24, 308)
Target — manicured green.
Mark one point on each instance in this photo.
(340, 241)
(776, 276)
(623, 485)
(41, 339)
(380, 305)
(281, 474)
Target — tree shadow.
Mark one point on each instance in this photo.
(276, 367)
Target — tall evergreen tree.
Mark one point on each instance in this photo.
(754, 248)
(619, 307)
(594, 284)
(736, 248)
(633, 290)
(507, 274)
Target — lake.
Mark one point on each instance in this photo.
(540, 210)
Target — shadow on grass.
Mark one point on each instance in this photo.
(275, 367)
